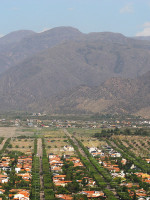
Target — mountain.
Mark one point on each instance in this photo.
(19, 45)
(15, 37)
(142, 38)
(6, 43)
(115, 96)
(64, 70)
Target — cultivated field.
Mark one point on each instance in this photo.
(139, 145)
(56, 146)
(84, 132)
(53, 133)
(23, 145)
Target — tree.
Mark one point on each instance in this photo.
(80, 197)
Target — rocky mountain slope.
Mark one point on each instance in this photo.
(19, 45)
(64, 70)
(115, 96)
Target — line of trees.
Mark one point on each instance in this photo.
(126, 153)
(5, 146)
(124, 195)
(94, 173)
(107, 133)
(35, 184)
(47, 175)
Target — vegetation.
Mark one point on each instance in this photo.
(92, 170)
(137, 161)
(110, 132)
(35, 190)
(47, 176)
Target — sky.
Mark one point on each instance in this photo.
(129, 17)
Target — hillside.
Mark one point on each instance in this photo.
(115, 96)
(142, 38)
(64, 70)
(15, 37)
(19, 45)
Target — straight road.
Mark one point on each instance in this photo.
(76, 143)
(83, 154)
(40, 154)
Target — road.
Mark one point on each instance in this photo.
(2, 144)
(76, 143)
(83, 154)
(40, 154)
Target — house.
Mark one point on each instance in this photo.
(56, 169)
(92, 149)
(121, 174)
(25, 176)
(68, 148)
(62, 183)
(78, 164)
(3, 178)
(20, 194)
(64, 196)
(141, 193)
(59, 178)
(123, 161)
(114, 154)
(91, 182)
(147, 160)
(2, 191)
(93, 194)
(4, 163)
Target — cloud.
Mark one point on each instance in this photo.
(146, 30)
(44, 29)
(146, 24)
(14, 8)
(70, 9)
(127, 8)
(1, 35)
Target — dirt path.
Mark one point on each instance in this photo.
(40, 154)
(2, 144)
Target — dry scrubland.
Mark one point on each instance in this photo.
(91, 142)
(17, 144)
(55, 145)
(23, 145)
(8, 131)
(86, 136)
(84, 132)
(48, 133)
(16, 131)
(55, 140)
(26, 131)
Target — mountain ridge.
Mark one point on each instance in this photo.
(14, 52)
(115, 96)
(64, 59)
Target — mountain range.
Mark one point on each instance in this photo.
(114, 96)
(64, 70)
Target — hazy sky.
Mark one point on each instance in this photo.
(129, 17)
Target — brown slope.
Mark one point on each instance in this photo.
(88, 61)
(15, 37)
(19, 45)
(6, 42)
(116, 96)
(142, 38)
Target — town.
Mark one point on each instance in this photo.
(74, 159)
